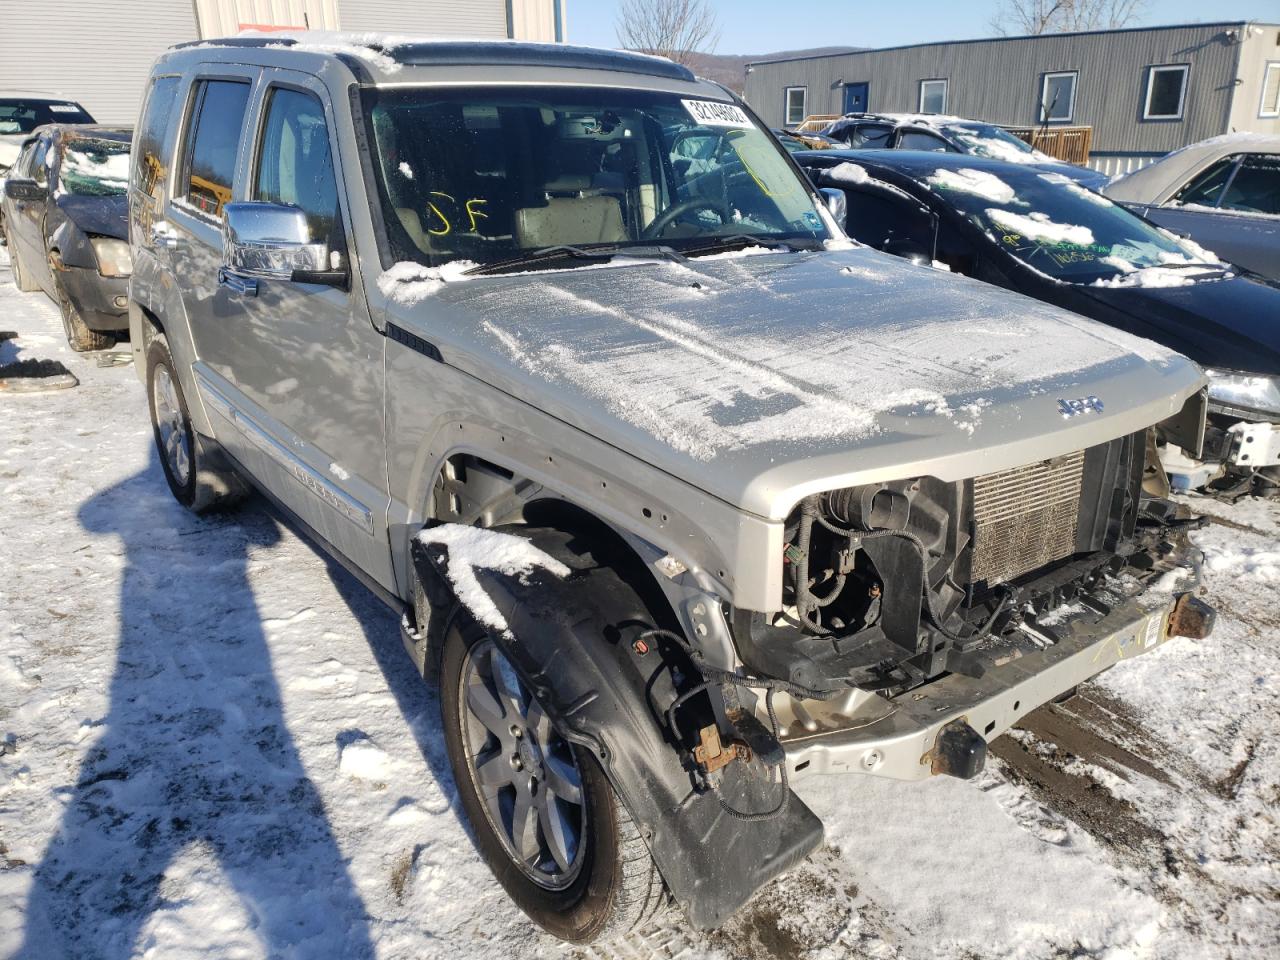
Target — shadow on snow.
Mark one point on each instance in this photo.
(196, 757)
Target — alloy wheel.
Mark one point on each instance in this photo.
(524, 772)
(174, 438)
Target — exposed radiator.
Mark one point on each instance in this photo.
(1025, 518)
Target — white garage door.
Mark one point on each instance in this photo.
(455, 18)
(97, 53)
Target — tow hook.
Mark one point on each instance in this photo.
(959, 751)
(712, 754)
(1191, 618)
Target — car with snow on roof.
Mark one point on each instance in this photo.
(946, 134)
(669, 529)
(65, 209)
(1045, 236)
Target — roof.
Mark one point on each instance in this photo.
(1156, 182)
(387, 53)
(14, 93)
(1041, 36)
(913, 162)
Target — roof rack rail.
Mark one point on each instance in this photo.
(236, 42)
(522, 54)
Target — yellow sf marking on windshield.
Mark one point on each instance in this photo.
(448, 227)
(475, 214)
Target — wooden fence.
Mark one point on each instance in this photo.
(1071, 144)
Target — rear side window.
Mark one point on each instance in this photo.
(1256, 186)
(1206, 189)
(213, 143)
(39, 163)
(151, 172)
(294, 163)
(916, 140)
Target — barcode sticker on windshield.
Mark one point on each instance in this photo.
(709, 113)
(63, 108)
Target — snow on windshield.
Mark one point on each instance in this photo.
(998, 149)
(95, 167)
(1038, 226)
(729, 355)
(980, 183)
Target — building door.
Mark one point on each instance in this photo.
(855, 97)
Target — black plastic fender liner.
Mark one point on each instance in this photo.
(571, 640)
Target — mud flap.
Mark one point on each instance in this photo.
(594, 687)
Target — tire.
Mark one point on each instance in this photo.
(79, 336)
(612, 885)
(20, 278)
(194, 468)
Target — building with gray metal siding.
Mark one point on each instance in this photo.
(1143, 92)
(100, 54)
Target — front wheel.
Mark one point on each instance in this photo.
(197, 475)
(546, 818)
(79, 336)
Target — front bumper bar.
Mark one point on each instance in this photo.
(897, 738)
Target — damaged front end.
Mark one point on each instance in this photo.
(932, 615)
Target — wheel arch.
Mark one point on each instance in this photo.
(472, 489)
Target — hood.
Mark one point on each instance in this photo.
(1232, 324)
(763, 378)
(102, 216)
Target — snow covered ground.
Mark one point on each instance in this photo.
(212, 745)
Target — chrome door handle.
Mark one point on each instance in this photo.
(245, 286)
(162, 235)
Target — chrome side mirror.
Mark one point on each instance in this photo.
(836, 204)
(272, 241)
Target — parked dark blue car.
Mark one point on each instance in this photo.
(1050, 238)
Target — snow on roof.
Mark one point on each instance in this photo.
(980, 183)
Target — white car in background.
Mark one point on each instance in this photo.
(1223, 192)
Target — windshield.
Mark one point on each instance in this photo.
(94, 167)
(23, 116)
(985, 140)
(1059, 227)
(489, 175)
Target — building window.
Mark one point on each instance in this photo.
(1058, 97)
(933, 96)
(796, 105)
(1166, 92)
(1271, 91)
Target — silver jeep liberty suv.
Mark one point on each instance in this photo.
(681, 495)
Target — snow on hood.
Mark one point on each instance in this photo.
(787, 350)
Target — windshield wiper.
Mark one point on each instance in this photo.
(737, 241)
(1186, 266)
(565, 251)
